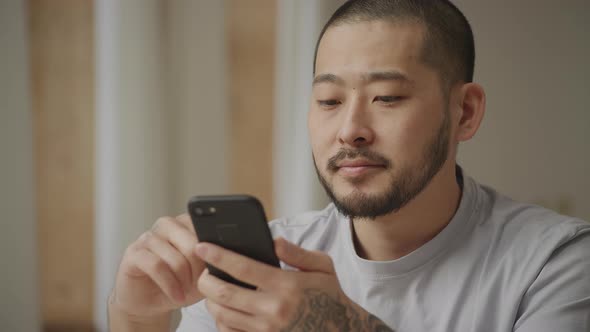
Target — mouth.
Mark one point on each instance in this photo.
(355, 165)
(356, 168)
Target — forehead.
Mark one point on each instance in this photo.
(361, 47)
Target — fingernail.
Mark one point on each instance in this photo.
(201, 250)
(180, 296)
(284, 244)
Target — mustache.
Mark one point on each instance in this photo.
(357, 153)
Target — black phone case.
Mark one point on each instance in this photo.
(237, 223)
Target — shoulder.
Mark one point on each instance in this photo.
(311, 230)
(528, 224)
(509, 232)
(520, 239)
(558, 296)
(539, 257)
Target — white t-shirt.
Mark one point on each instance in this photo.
(497, 266)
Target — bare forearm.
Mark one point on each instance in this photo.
(121, 322)
(372, 323)
(366, 321)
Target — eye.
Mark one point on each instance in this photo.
(387, 100)
(329, 103)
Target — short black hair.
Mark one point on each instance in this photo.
(448, 45)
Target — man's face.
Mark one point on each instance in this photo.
(378, 122)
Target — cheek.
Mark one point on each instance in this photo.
(321, 134)
(404, 136)
(408, 132)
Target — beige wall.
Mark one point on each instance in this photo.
(19, 306)
(532, 59)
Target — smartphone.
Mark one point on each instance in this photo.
(237, 223)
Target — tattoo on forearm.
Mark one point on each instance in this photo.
(322, 312)
(377, 325)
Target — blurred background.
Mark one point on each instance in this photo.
(115, 112)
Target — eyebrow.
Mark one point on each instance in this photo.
(327, 78)
(376, 76)
(391, 75)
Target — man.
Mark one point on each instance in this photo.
(410, 243)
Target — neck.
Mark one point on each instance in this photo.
(397, 234)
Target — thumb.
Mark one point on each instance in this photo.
(304, 260)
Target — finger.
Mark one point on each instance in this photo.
(186, 221)
(232, 319)
(305, 260)
(175, 260)
(223, 328)
(235, 297)
(184, 240)
(182, 221)
(159, 272)
(240, 267)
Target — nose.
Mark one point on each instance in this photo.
(355, 130)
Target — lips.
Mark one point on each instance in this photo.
(358, 163)
(355, 162)
(355, 168)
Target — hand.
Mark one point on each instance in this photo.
(306, 300)
(159, 271)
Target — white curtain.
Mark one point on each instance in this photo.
(296, 187)
(161, 119)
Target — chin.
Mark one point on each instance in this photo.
(355, 191)
(368, 185)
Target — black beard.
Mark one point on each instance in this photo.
(410, 182)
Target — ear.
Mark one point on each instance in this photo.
(472, 106)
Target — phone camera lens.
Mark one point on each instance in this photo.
(199, 211)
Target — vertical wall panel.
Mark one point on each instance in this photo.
(19, 300)
(61, 62)
(251, 38)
